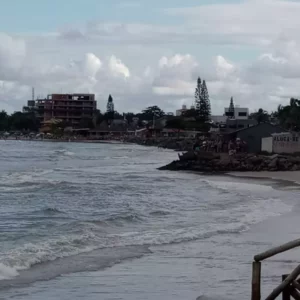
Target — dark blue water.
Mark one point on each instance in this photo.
(98, 221)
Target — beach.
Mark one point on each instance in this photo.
(99, 221)
(291, 176)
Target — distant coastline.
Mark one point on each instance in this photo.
(66, 141)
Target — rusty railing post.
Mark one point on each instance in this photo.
(256, 275)
(286, 292)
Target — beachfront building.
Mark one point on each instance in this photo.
(253, 135)
(71, 108)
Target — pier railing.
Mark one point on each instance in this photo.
(289, 287)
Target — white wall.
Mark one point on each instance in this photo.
(281, 143)
(286, 143)
(267, 144)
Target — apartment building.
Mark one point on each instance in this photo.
(72, 108)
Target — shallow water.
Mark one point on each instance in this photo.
(98, 221)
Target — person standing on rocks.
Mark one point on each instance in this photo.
(196, 146)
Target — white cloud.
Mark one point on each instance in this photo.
(248, 21)
(92, 65)
(143, 64)
(223, 67)
(12, 55)
(117, 67)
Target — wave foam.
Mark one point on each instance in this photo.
(237, 186)
(64, 152)
(7, 272)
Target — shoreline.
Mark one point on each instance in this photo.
(68, 141)
(279, 176)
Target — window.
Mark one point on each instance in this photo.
(242, 114)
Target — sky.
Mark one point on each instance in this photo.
(151, 52)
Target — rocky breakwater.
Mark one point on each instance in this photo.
(222, 163)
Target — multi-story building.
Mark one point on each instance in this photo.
(240, 113)
(71, 108)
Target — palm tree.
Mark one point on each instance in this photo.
(289, 115)
(261, 116)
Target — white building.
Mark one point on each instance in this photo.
(240, 113)
(180, 112)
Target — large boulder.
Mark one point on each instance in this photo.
(203, 155)
(187, 156)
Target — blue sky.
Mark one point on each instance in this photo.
(25, 16)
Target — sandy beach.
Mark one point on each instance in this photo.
(293, 176)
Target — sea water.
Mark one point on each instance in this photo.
(99, 221)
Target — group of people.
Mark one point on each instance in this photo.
(221, 146)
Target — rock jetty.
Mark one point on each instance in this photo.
(222, 163)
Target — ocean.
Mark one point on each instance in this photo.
(99, 221)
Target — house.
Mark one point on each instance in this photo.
(115, 127)
(222, 124)
(253, 135)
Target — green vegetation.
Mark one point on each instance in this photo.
(261, 116)
(289, 115)
(202, 101)
(19, 121)
(197, 118)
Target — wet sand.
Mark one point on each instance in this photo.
(292, 176)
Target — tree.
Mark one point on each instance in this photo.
(152, 112)
(129, 117)
(86, 123)
(202, 102)
(23, 121)
(110, 108)
(231, 109)
(118, 116)
(98, 118)
(176, 123)
(289, 115)
(57, 127)
(190, 113)
(198, 96)
(110, 104)
(261, 116)
(4, 121)
(205, 96)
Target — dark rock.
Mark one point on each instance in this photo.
(273, 163)
(255, 160)
(187, 156)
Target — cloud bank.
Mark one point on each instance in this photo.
(248, 50)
